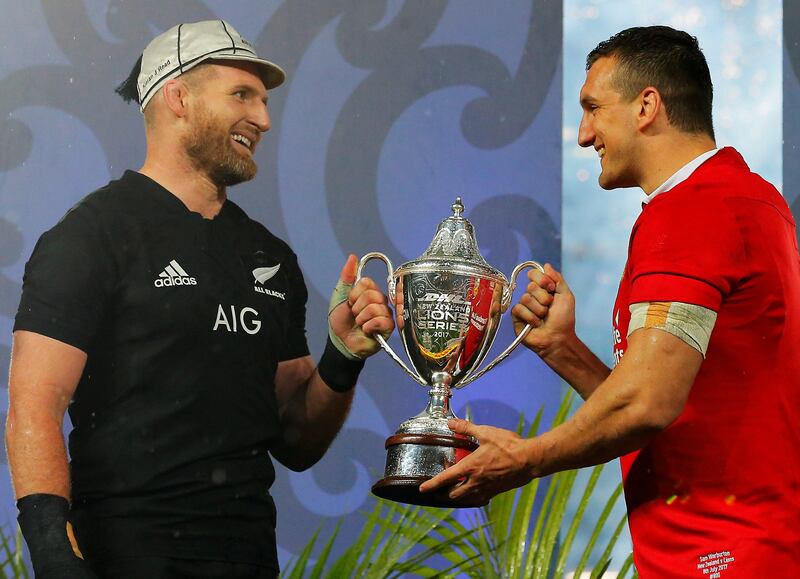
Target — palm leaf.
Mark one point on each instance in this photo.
(600, 570)
(322, 560)
(347, 562)
(610, 546)
(396, 540)
(296, 567)
(514, 549)
(544, 555)
(566, 545)
(627, 566)
(544, 511)
(601, 521)
(435, 547)
(526, 549)
(457, 542)
(13, 564)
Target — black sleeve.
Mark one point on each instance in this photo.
(296, 343)
(68, 280)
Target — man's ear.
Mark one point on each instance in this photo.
(176, 96)
(650, 107)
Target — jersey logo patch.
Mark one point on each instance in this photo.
(264, 274)
(174, 275)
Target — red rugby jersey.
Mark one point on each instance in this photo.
(717, 493)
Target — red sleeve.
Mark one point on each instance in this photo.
(686, 247)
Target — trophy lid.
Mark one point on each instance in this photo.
(454, 244)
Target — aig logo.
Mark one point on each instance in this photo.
(230, 320)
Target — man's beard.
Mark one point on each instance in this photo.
(211, 152)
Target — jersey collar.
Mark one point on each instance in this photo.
(163, 196)
(681, 174)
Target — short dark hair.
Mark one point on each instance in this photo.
(669, 60)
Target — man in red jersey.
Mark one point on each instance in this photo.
(703, 404)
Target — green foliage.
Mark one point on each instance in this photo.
(514, 546)
(396, 540)
(502, 543)
(12, 565)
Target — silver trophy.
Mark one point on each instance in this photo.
(448, 305)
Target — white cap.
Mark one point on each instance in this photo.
(184, 46)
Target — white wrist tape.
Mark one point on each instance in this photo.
(339, 296)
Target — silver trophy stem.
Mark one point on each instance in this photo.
(439, 402)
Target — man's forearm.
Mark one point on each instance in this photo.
(646, 393)
(37, 456)
(604, 428)
(43, 378)
(40, 475)
(311, 420)
(577, 365)
(327, 411)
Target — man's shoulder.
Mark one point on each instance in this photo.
(118, 196)
(728, 175)
(722, 179)
(257, 231)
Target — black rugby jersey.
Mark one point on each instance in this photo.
(184, 320)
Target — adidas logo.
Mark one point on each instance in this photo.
(172, 275)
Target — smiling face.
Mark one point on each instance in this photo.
(229, 117)
(609, 125)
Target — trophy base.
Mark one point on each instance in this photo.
(413, 458)
(405, 489)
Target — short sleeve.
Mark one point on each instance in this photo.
(296, 345)
(68, 280)
(686, 251)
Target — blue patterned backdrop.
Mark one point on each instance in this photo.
(392, 108)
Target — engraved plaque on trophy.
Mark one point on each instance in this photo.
(448, 305)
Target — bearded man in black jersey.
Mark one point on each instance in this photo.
(172, 327)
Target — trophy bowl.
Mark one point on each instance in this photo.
(448, 307)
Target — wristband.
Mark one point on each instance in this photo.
(43, 519)
(338, 371)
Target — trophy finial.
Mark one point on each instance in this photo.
(455, 238)
(457, 207)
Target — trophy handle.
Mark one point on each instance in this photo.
(392, 289)
(507, 295)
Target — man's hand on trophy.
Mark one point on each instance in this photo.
(357, 312)
(549, 307)
(502, 462)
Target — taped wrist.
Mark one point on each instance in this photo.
(338, 296)
(43, 521)
(338, 371)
